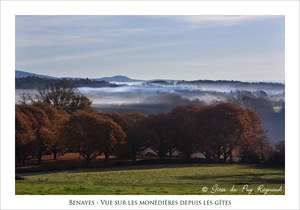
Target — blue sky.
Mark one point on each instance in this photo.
(152, 47)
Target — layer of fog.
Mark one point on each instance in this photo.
(141, 93)
(18, 92)
(153, 98)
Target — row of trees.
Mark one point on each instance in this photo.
(217, 132)
(32, 82)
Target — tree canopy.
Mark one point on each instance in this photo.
(216, 132)
(63, 96)
(91, 134)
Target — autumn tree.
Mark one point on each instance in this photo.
(133, 126)
(91, 134)
(184, 122)
(259, 152)
(24, 135)
(222, 127)
(231, 126)
(161, 134)
(112, 141)
(255, 146)
(41, 138)
(225, 127)
(56, 119)
(210, 145)
(79, 102)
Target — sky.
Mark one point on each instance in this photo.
(152, 47)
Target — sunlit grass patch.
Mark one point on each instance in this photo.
(152, 180)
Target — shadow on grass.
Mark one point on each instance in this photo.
(273, 167)
(240, 179)
(99, 165)
(153, 164)
(123, 167)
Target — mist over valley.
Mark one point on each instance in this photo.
(155, 96)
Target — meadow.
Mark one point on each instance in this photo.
(159, 179)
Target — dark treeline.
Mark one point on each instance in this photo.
(37, 82)
(273, 121)
(237, 84)
(61, 121)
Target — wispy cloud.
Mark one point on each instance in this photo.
(128, 31)
(38, 22)
(222, 20)
(142, 45)
(44, 31)
(33, 40)
(99, 54)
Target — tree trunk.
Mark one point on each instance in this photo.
(207, 157)
(133, 157)
(187, 156)
(219, 157)
(39, 159)
(23, 161)
(54, 155)
(162, 157)
(226, 155)
(106, 156)
(88, 160)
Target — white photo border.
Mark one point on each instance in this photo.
(290, 9)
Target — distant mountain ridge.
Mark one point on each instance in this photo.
(117, 78)
(22, 74)
(121, 78)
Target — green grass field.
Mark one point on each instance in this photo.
(153, 180)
